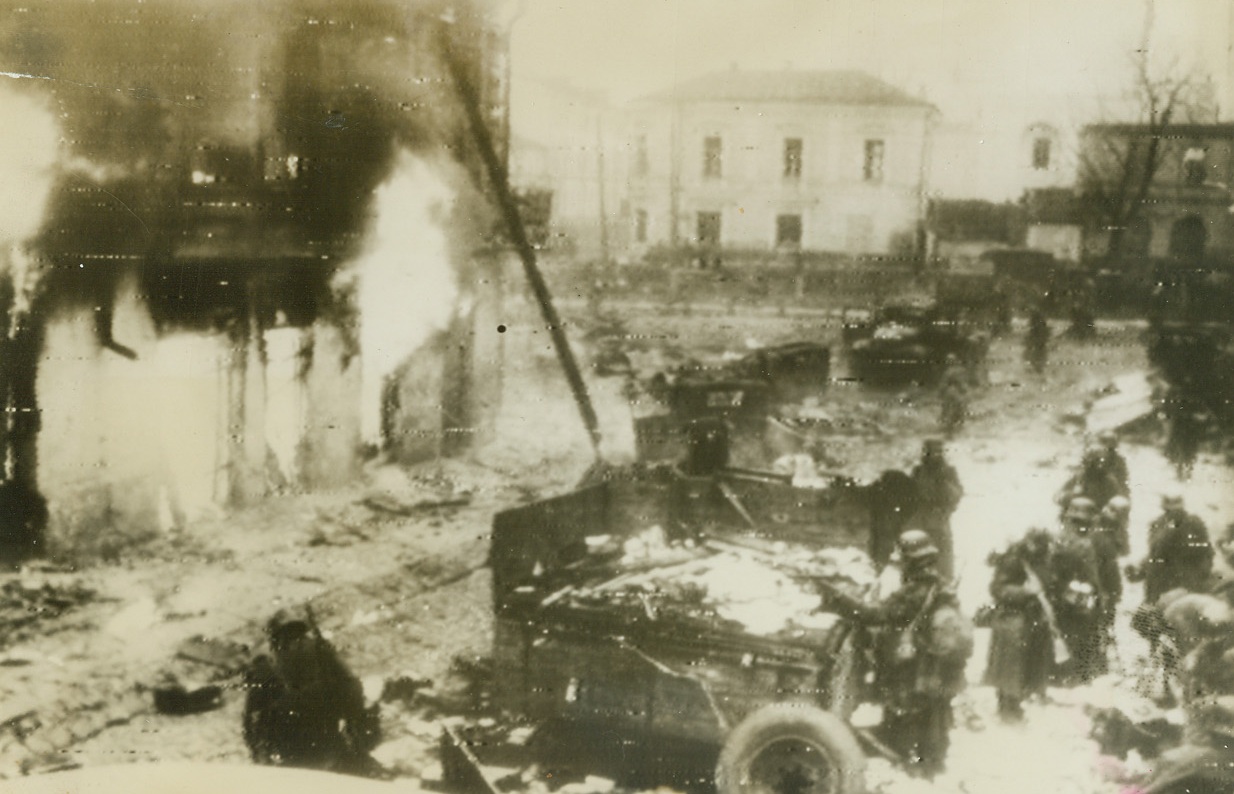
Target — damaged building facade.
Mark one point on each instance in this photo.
(186, 326)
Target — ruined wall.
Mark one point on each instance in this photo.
(104, 447)
(233, 173)
(134, 447)
(329, 452)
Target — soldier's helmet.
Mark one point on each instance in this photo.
(1226, 545)
(1038, 539)
(1199, 615)
(1171, 501)
(916, 545)
(1107, 438)
(1081, 508)
(932, 446)
(1118, 505)
(287, 626)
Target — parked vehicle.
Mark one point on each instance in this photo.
(909, 343)
(770, 708)
(742, 393)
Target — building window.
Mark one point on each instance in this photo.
(1041, 153)
(792, 158)
(708, 229)
(788, 231)
(1194, 166)
(642, 161)
(640, 226)
(711, 156)
(872, 166)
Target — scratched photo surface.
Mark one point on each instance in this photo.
(604, 398)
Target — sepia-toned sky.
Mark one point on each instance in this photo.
(954, 52)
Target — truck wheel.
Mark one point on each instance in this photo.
(789, 748)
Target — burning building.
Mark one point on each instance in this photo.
(251, 216)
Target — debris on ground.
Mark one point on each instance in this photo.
(22, 657)
(403, 687)
(28, 599)
(1125, 724)
(387, 503)
(172, 696)
(1125, 400)
(333, 530)
(226, 655)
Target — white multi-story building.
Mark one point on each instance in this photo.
(562, 143)
(833, 161)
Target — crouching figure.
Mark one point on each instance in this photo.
(304, 707)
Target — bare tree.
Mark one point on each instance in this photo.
(1119, 161)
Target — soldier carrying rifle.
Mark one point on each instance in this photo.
(922, 645)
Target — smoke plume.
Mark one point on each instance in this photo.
(28, 153)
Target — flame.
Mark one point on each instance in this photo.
(28, 154)
(407, 287)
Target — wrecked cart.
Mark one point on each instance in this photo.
(608, 620)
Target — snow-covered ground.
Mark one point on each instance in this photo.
(369, 572)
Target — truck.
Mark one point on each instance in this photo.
(744, 393)
(910, 343)
(621, 665)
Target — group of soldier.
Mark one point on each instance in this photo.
(1055, 596)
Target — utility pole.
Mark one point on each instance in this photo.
(500, 185)
(604, 252)
(674, 175)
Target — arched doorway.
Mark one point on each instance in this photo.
(1188, 237)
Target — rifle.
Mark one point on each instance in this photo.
(1061, 653)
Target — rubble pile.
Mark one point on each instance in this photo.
(30, 598)
(764, 592)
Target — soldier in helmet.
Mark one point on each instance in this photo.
(921, 650)
(1113, 522)
(304, 707)
(707, 447)
(938, 494)
(1110, 541)
(1083, 323)
(1101, 475)
(1082, 600)
(953, 396)
(1022, 642)
(1037, 342)
(1080, 515)
(1180, 554)
(1113, 461)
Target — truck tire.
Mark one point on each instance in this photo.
(788, 747)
